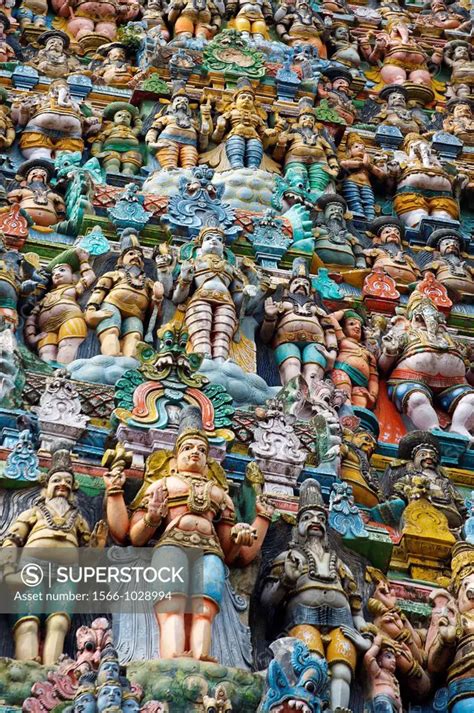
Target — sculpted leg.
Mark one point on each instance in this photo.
(201, 628)
(289, 369)
(393, 75)
(57, 626)
(129, 343)
(420, 410)
(463, 416)
(172, 631)
(106, 29)
(49, 352)
(67, 350)
(168, 156)
(341, 676)
(235, 150)
(26, 635)
(109, 342)
(413, 217)
(199, 323)
(188, 156)
(223, 328)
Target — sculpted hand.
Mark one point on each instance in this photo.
(83, 255)
(294, 566)
(158, 292)
(271, 308)
(362, 643)
(187, 271)
(33, 340)
(115, 479)
(158, 505)
(94, 316)
(243, 534)
(264, 507)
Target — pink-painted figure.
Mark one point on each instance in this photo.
(94, 22)
(380, 665)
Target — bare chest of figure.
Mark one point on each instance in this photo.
(433, 363)
(197, 502)
(213, 272)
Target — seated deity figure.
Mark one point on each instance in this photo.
(212, 289)
(298, 24)
(448, 265)
(355, 370)
(334, 243)
(344, 48)
(56, 326)
(44, 206)
(460, 120)
(425, 363)
(458, 55)
(299, 330)
(424, 187)
(438, 18)
(184, 507)
(53, 60)
(53, 522)
(251, 17)
(388, 253)
(51, 122)
(116, 68)
(176, 135)
(242, 134)
(396, 111)
(118, 306)
(94, 22)
(314, 595)
(309, 159)
(191, 18)
(117, 144)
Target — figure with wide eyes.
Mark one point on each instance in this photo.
(57, 326)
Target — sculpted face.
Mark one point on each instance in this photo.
(109, 671)
(426, 457)
(390, 234)
(465, 595)
(133, 256)
(37, 174)
(212, 243)
(307, 121)
(85, 704)
(60, 485)
(461, 53)
(245, 100)
(192, 455)
(109, 695)
(341, 84)
(397, 100)
(117, 55)
(387, 660)
(334, 210)
(55, 44)
(312, 523)
(62, 275)
(181, 103)
(300, 286)
(461, 110)
(357, 148)
(123, 118)
(341, 33)
(130, 706)
(449, 246)
(353, 328)
(365, 442)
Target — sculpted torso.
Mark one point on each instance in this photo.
(206, 274)
(395, 266)
(439, 360)
(296, 319)
(326, 591)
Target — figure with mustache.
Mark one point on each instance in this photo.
(335, 244)
(54, 521)
(318, 595)
(42, 205)
(388, 253)
(449, 266)
(299, 330)
(176, 135)
(118, 305)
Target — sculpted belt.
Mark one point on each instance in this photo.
(319, 616)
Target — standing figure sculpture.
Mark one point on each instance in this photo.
(53, 60)
(299, 330)
(195, 18)
(54, 522)
(251, 17)
(117, 144)
(334, 243)
(298, 24)
(243, 126)
(396, 111)
(424, 362)
(310, 160)
(184, 506)
(458, 55)
(380, 664)
(359, 167)
(319, 595)
(56, 326)
(44, 206)
(176, 136)
(449, 266)
(387, 252)
(118, 305)
(52, 122)
(355, 370)
(213, 289)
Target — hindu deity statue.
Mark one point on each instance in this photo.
(7, 130)
(185, 508)
(53, 60)
(460, 120)
(397, 113)
(219, 703)
(356, 451)
(458, 55)
(117, 144)
(448, 265)
(115, 69)
(401, 56)
(438, 18)
(297, 23)
(191, 18)
(94, 22)
(176, 136)
(355, 370)
(425, 363)
(299, 330)
(335, 88)
(56, 326)
(334, 243)
(241, 133)
(359, 167)
(18, 279)
(343, 48)
(387, 252)
(309, 158)
(316, 595)
(32, 13)
(213, 290)
(52, 122)
(420, 454)
(251, 17)
(7, 53)
(154, 15)
(118, 306)
(393, 625)
(380, 665)
(35, 197)
(53, 522)
(424, 186)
